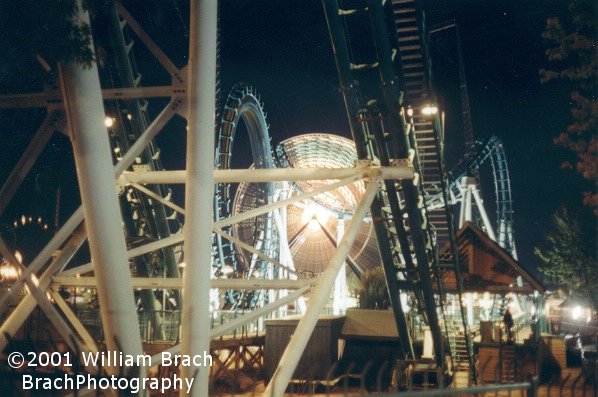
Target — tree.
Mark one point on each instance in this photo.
(373, 293)
(42, 31)
(569, 258)
(574, 55)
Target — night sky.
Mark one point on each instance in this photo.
(283, 50)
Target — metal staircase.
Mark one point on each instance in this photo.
(508, 363)
(409, 24)
(459, 348)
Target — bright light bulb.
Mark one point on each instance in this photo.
(429, 110)
(576, 312)
(314, 215)
(108, 121)
(8, 273)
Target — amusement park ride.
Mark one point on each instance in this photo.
(383, 198)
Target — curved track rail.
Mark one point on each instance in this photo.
(242, 105)
(492, 149)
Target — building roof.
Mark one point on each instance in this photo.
(485, 265)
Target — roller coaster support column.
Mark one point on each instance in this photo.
(95, 173)
(201, 104)
(319, 297)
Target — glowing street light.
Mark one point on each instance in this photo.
(108, 121)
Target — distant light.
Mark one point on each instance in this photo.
(23, 220)
(129, 116)
(577, 311)
(108, 121)
(429, 110)
(410, 112)
(8, 272)
(18, 256)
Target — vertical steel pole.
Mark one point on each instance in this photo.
(95, 173)
(201, 104)
(318, 298)
(339, 305)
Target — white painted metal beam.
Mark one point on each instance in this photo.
(18, 316)
(53, 99)
(146, 39)
(177, 283)
(91, 148)
(201, 109)
(319, 297)
(256, 252)
(283, 203)
(263, 175)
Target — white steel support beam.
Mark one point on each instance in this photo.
(341, 293)
(42, 300)
(201, 105)
(156, 197)
(84, 108)
(53, 99)
(264, 175)
(177, 283)
(41, 259)
(28, 303)
(283, 203)
(256, 252)
(468, 204)
(317, 300)
(149, 43)
(480, 204)
(67, 229)
(256, 313)
(75, 322)
(175, 239)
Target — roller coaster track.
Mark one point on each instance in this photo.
(491, 149)
(144, 219)
(386, 130)
(243, 105)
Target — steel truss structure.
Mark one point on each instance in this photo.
(82, 103)
(407, 192)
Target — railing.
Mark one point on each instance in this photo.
(171, 320)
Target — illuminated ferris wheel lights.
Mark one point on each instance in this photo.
(314, 216)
